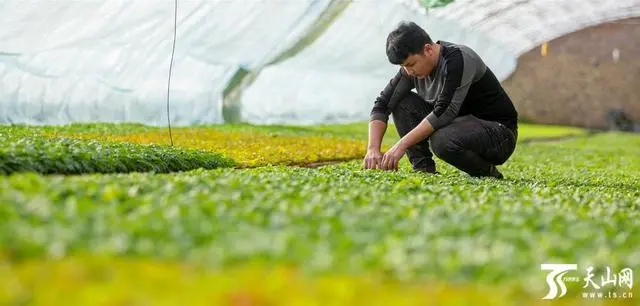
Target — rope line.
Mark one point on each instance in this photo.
(175, 27)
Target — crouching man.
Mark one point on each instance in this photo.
(460, 109)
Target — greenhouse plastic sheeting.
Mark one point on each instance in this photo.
(338, 77)
(522, 25)
(88, 61)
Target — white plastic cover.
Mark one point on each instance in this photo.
(96, 60)
(338, 77)
(87, 61)
(523, 24)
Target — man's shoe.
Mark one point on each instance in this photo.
(493, 172)
(428, 169)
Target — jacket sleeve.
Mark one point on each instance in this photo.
(458, 79)
(397, 88)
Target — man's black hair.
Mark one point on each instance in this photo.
(406, 39)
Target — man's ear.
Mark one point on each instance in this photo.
(426, 49)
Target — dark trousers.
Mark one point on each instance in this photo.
(470, 144)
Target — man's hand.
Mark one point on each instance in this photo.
(392, 157)
(372, 159)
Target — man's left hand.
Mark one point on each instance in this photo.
(392, 157)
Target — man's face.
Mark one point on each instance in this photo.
(421, 64)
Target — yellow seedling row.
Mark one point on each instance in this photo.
(251, 149)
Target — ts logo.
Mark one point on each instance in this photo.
(554, 278)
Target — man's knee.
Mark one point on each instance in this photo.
(407, 107)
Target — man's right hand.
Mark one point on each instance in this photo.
(372, 159)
